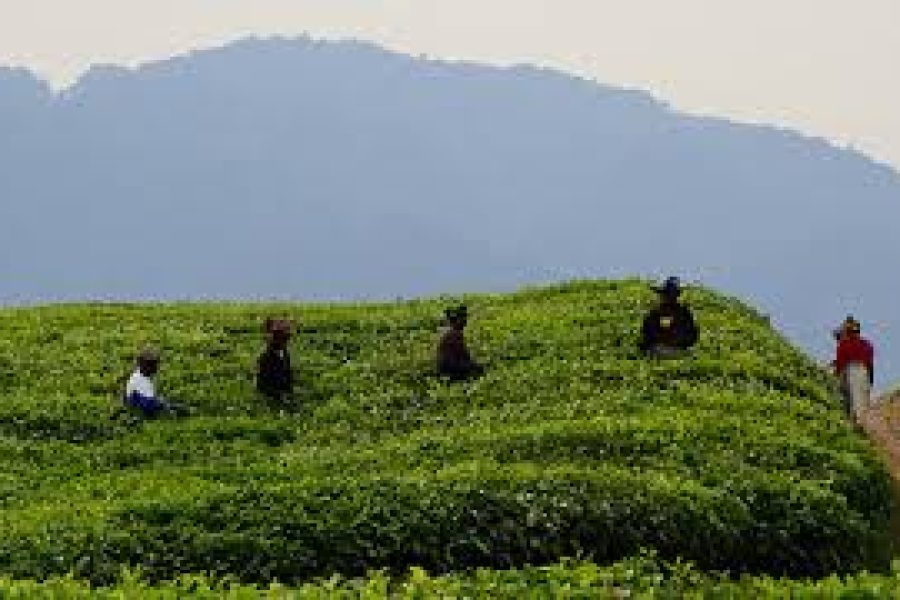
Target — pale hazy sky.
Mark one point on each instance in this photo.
(827, 67)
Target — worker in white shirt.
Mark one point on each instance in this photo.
(140, 392)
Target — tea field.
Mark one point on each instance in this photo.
(572, 452)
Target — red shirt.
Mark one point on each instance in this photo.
(854, 350)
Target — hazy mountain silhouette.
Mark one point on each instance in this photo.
(303, 169)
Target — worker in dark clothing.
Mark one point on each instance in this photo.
(669, 330)
(274, 378)
(453, 358)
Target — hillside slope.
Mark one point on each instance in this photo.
(736, 459)
(882, 422)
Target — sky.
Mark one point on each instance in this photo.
(828, 68)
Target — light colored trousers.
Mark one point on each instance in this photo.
(856, 388)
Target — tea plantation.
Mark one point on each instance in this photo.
(572, 451)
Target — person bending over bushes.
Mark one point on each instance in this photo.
(140, 391)
(669, 330)
(274, 378)
(453, 358)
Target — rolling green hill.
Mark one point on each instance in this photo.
(737, 459)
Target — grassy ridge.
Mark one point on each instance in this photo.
(737, 459)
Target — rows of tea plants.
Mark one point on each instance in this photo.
(641, 577)
(737, 458)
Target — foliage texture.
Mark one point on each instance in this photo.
(737, 459)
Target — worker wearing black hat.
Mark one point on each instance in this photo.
(669, 329)
(453, 358)
(274, 377)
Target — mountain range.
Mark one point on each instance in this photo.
(296, 168)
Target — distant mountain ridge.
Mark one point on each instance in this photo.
(306, 169)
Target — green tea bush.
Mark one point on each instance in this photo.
(737, 458)
(642, 577)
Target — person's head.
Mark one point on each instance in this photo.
(457, 316)
(851, 327)
(278, 332)
(148, 361)
(670, 291)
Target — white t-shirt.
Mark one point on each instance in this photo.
(140, 383)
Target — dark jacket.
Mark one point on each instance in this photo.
(274, 377)
(453, 358)
(670, 325)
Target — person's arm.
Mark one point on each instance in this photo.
(264, 373)
(464, 354)
(870, 363)
(840, 359)
(288, 372)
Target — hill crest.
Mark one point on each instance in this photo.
(738, 458)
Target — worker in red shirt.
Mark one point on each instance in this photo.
(855, 367)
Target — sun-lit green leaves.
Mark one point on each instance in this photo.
(571, 445)
(642, 577)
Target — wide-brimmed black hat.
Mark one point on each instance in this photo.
(671, 287)
(456, 312)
